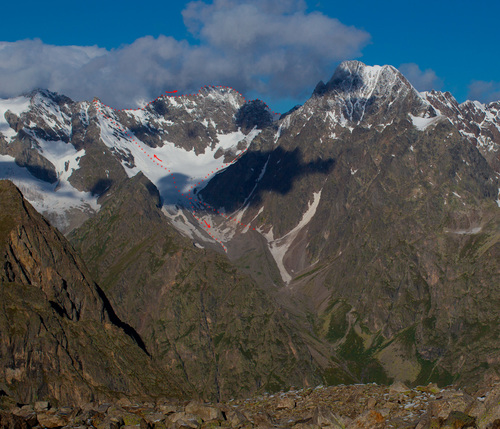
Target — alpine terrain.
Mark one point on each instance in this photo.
(213, 249)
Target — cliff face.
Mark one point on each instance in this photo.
(37, 254)
(381, 212)
(59, 336)
(201, 318)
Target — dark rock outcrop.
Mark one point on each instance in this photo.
(60, 338)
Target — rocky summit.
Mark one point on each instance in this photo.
(202, 262)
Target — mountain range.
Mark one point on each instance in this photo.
(353, 239)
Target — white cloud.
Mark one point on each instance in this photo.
(421, 80)
(274, 48)
(28, 64)
(484, 91)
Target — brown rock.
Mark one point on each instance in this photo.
(285, 403)
(11, 421)
(324, 417)
(42, 405)
(52, 420)
(124, 402)
(205, 412)
(235, 418)
(183, 420)
(168, 409)
(110, 422)
(145, 425)
(262, 420)
(458, 420)
(371, 403)
(368, 420)
(103, 408)
(28, 415)
(491, 410)
(398, 387)
(450, 401)
(153, 418)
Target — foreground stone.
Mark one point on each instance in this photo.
(336, 407)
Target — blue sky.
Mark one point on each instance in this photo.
(129, 51)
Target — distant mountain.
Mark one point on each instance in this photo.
(363, 227)
(64, 155)
(379, 206)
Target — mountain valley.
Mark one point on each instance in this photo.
(220, 250)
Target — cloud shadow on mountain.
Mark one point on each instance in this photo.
(101, 186)
(236, 185)
(169, 187)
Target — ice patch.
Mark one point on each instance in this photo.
(471, 231)
(182, 224)
(52, 198)
(278, 134)
(261, 175)
(280, 246)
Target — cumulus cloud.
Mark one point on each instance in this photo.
(422, 80)
(484, 91)
(274, 48)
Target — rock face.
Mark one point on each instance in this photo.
(60, 338)
(202, 319)
(381, 213)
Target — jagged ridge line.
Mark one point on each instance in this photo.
(169, 171)
(189, 95)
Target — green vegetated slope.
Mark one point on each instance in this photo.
(200, 317)
(59, 337)
(411, 254)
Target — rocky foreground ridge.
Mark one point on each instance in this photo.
(354, 406)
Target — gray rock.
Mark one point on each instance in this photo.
(183, 420)
(235, 418)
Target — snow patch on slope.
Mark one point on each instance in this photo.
(423, 123)
(280, 246)
(188, 168)
(55, 199)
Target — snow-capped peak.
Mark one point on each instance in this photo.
(357, 80)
